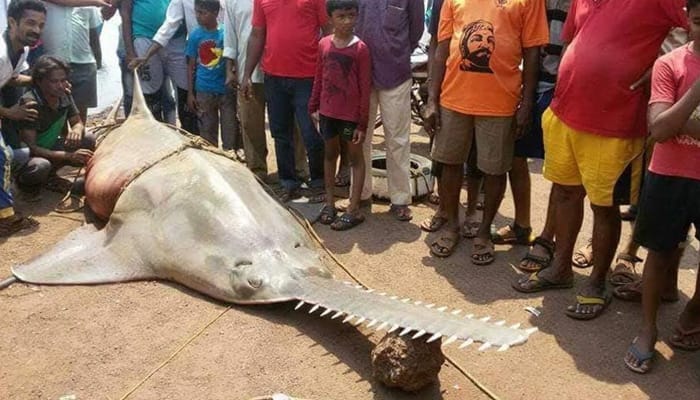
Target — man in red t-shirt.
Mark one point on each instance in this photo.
(670, 200)
(594, 129)
(285, 36)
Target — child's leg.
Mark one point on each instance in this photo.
(357, 165)
(209, 117)
(330, 158)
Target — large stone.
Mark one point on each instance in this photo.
(407, 364)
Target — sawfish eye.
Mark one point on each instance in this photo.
(297, 245)
(255, 282)
(241, 263)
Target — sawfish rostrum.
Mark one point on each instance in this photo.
(180, 211)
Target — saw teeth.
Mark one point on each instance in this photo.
(382, 326)
(530, 331)
(450, 340)
(314, 308)
(372, 323)
(328, 311)
(370, 290)
(500, 323)
(360, 321)
(405, 331)
(455, 312)
(431, 305)
(434, 337)
(336, 315)
(515, 326)
(418, 334)
(469, 316)
(441, 309)
(359, 287)
(486, 318)
(418, 303)
(347, 283)
(394, 297)
(466, 343)
(485, 346)
(393, 329)
(348, 318)
(382, 294)
(406, 300)
(504, 347)
(301, 303)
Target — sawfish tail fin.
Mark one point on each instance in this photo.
(381, 311)
(139, 107)
(85, 256)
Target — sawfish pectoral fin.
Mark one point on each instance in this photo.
(85, 256)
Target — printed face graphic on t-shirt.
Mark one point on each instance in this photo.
(338, 68)
(477, 45)
(209, 54)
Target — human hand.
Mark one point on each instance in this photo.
(523, 119)
(316, 119)
(192, 102)
(73, 138)
(68, 87)
(641, 82)
(137, 62)
(358, 137)
(247, 88)
(431, 118)
(80, 156)
(231, 78)
(23, 112)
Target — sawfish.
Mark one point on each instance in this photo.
(177, 209)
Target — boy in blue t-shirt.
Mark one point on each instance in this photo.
(213, 102)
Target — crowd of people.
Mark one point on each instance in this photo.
(606, 92)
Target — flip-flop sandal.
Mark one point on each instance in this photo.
(445, 245)
(512, 234)
(540, 262)
(328, 215)
(685, 340)
(342, 180)
(632, 292)
(483, 252)
(347, 221)
(401, 212)
(583, 257)
(434, 198)
(433, 224)
(575, 311)
(624, 271)
(644, 359)
(470, 228)
(536, 283)
(317, 198)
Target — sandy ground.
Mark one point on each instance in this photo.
(100, 342)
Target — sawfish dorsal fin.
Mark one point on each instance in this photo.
(139, 107)
(85, 256)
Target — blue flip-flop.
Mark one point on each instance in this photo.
(644, 359)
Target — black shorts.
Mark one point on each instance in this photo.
(667, 207)
(332, 127)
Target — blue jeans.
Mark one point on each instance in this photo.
(6, 200)
(286, 99)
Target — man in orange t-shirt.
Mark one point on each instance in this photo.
(478, 92)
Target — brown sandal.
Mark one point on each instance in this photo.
(583, 257)
(624, 271)
(445, 245)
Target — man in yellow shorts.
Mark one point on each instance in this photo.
(594, 128)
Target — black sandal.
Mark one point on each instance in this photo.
(540, 261)
(328, 215)
(347, 221)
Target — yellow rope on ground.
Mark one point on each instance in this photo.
(164, 363)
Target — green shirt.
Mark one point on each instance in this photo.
(51, 123)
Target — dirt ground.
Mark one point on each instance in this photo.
(100, 342)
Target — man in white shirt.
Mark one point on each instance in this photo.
(26, 20)
(56, 40)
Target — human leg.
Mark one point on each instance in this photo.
(312, 141)
(451, 146)
(188, 119)
(395, 107)
(495, 142)
(278, 97)
(209, 116)
(230, 130)
(330, 158)
(252, 114)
